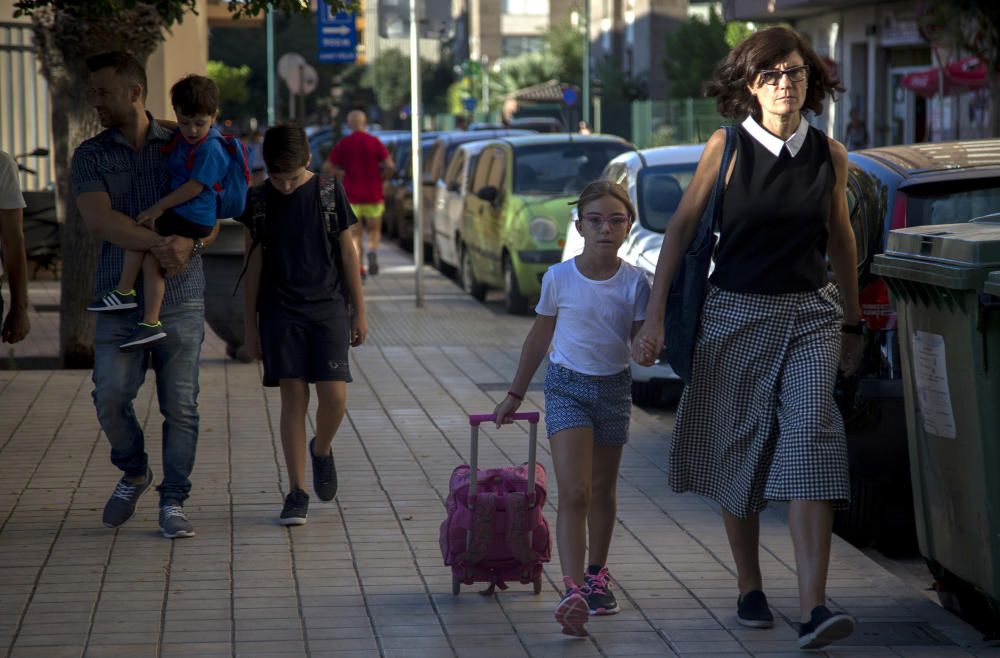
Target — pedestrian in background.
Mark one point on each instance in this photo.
(303, 305)
(758, 421)
(857, 134)
(15, 263)
(116, 175)
(362, 162)
(590, 307)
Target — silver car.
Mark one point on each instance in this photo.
(655, 179)
(449, 194)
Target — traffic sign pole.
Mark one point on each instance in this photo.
(415, 167)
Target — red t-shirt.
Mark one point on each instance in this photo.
(359, 155)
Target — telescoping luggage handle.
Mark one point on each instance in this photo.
(476, 419)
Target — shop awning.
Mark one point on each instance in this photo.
(960, 76)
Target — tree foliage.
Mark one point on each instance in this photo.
(565, 44)
(389, 77)
(692, 53)
(232, 82)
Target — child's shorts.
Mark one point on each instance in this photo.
(315, 351)
(602, 402)
(170, 223)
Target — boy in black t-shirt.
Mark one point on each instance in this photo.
(303, 304)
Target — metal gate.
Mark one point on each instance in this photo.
(24, 105)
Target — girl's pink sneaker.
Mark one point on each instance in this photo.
(572, 612)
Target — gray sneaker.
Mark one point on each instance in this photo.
(121, 506)
(173, 523)
(324, 474)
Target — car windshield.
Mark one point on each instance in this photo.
(658, 192)
(562, 168)
(957, 202)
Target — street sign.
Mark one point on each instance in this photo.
(469, 104)
(336, 35)
(569, 96)
(394, 19)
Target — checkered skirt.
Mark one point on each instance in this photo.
(758, 422)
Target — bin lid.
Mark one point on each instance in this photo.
(992, 286)
(958, 256)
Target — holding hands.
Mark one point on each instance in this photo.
(648, 343)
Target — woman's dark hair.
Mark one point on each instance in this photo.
(603, 188)
(286, 148)
(763, 50)
(194, 96)
(125, 66)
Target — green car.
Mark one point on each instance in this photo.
(517, 211)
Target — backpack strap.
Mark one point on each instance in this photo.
(519, 529)
(258, 218)
(484, 508)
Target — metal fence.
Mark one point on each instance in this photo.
(681, 121)
(24, 105)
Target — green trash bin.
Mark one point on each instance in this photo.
(949, 334)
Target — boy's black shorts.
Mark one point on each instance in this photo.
(170, 223)
(315, 351)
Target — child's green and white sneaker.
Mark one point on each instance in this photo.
(143, 336)
(115, 301)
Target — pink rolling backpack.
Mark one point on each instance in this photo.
(495, 531)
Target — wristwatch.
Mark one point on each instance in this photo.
(198, 247)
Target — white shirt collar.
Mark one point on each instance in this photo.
(774, 144)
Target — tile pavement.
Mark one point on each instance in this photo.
(364, 577)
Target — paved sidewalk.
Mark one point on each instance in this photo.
(364, 577)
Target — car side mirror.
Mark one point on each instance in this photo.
(489, 194)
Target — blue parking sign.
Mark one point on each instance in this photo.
(336, 35)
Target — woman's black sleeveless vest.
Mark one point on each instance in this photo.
(775, 218)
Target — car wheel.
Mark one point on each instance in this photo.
(469, 283)
(514, 301)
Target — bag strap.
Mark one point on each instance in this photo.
(712, 216)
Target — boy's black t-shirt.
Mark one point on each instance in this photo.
(301, 275)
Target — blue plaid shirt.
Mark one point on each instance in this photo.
(135, 180)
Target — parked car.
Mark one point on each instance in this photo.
(514, 222)
(887, 188)
(540, 124)
(449, 202)
(398, 190)
(655, 179)
(432, 177)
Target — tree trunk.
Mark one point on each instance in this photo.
(64, 40)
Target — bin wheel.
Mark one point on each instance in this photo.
(456, 585)
(537, 585)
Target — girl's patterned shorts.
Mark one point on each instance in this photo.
(601, 402)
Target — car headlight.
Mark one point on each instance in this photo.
(542, 229)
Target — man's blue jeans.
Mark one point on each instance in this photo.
(118, 376)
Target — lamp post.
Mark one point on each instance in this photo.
(270, 66)
(415, 166)
(586, 63)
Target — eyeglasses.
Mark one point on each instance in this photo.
(596, 220)
(773, 76)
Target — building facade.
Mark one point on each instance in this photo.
(629, 35)
(885, 63)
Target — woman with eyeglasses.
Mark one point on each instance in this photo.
(758, 421)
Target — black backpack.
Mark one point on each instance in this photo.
(258, 220)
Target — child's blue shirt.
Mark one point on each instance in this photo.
(205, 162)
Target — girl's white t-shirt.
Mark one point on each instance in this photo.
(593, 318)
